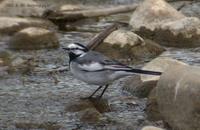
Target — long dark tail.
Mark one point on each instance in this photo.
(144, 72)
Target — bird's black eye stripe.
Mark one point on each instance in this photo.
(78, 49)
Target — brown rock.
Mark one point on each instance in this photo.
(34, 38)
(178, 95)
(123, 37)
(90, 115)
(179, 33)
(159, 21)
(159, 64)
(78, 106)
(152, 13)
(10, 25)
(141, 85)
(153, 113)
(123, 44)
(5, 57)
(100, 105)
(137, 87)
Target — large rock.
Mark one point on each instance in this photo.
(159, 21)
(178, 94)
(152, 13)
(34, 38)
(90, 116)
(22, 7)
(152, 111)
(123, 37)
(141, 85)
(122, 44)
(10, 25)
(100, 105)
(179, 33)
(159, 64)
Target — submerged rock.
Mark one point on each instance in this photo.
(128, 45)
(11, 25)
(159, 21)
(90, 115)
(152, 111)
(123, 37)
(78, 106)
(100, 105)
(178, 95)
(5, 57)
(34, 38)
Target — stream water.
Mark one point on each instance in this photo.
(51, 100)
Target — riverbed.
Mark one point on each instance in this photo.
(35, 97)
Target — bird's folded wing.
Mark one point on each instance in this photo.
(96, 66)
(92, 66)
(117, 67)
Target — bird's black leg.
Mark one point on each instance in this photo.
(103, 91)
(95, 91)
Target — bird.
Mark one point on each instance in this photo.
(95, 68)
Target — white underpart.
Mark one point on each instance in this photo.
(74, 46)
(94, 66)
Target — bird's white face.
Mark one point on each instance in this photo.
(76, 49)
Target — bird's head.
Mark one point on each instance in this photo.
(76, 49)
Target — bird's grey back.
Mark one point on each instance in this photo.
(93, 56)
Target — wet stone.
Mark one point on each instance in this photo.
(11, 25)
(5, 57)
(93, 103)
(90, 115)
(137, 87)
(34, 38)
(78, 106)
(32, 125)
(100, 104)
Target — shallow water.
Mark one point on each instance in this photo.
(190, 56)
(39, 96)
(43, 99)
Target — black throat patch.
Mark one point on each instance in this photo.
(72, 56)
